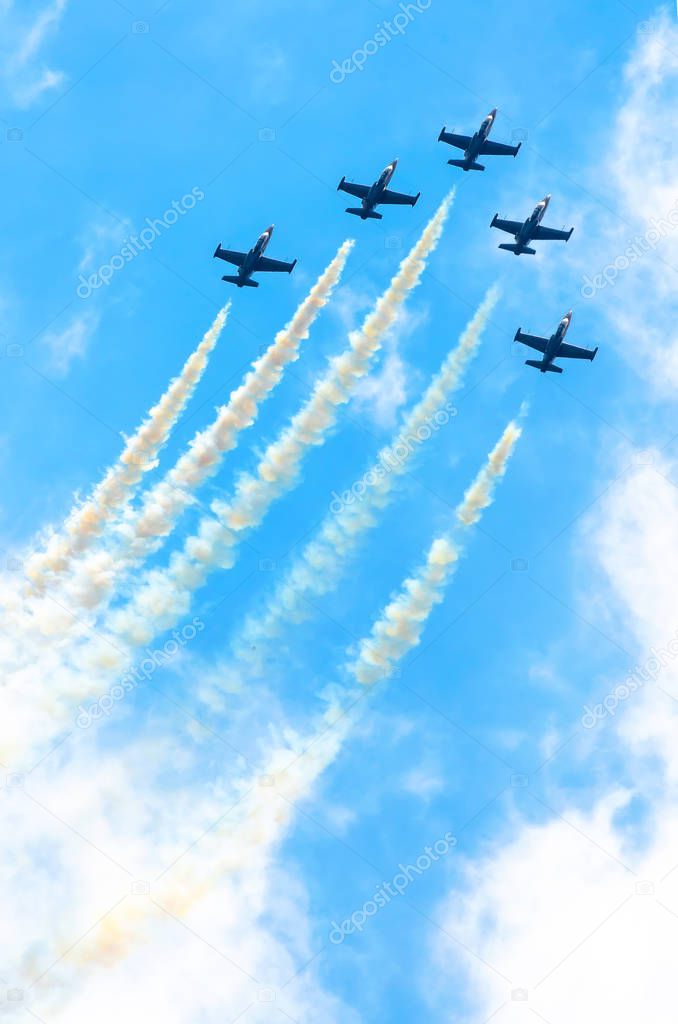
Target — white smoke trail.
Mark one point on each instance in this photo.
(241, 847)
(207, 448)
(319, 566)
(246, 839)
(86, 522)
(481, 492)
(140, 534)
(166, 594)
(399, 628)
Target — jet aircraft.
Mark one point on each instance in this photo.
(554, 347)
(376, 194)
(529, 230)
(477, 144)
(252, 262)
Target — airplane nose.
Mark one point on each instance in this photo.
(493, 112)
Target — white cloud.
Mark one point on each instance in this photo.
(579, 912)
(101, 240)
(637, 244)
(24, 35)
(382, 394)
(423, 782)
(71, 343)
(216, 928)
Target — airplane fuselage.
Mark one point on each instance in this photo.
(472, 152)
(557, 338)
(379, 187)
(528, 229)
(257, 250)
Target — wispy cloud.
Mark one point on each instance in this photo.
(572, 917)
(25, 34)
(384, 393)
(64, 347)
(629, 270)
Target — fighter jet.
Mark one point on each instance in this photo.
(477, 144)
(554, 347)
(530, 230)
(376, 194)
(250, 262)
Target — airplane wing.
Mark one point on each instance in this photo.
(532, 341)
(574, 352)
(511, 226)
(236, 258)
(460, 141)
(359, 191)
(265, 264)
(551, 234)
(398, 198)
(498, 149)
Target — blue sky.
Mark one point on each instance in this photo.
(109, 115)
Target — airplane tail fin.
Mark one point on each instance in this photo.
(358, 211)
(466, 165)
(539, 364)
(242, 282)
(517, 250)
